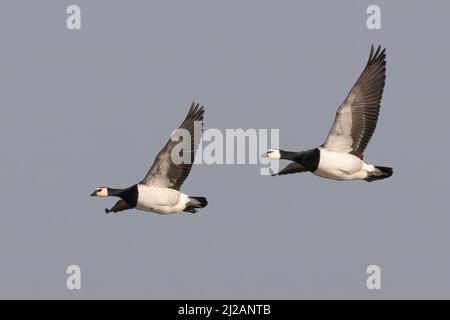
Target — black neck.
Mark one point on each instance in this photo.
(115, 192)
(288, 155)
(309, 159)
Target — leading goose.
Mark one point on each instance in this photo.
(159, 191)
(341, 156)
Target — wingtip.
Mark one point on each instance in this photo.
(196, 107)
(371, 53)
(378, 51)
(376, 55)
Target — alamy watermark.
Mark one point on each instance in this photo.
(373, 282)
(73, 281)
(231, 146)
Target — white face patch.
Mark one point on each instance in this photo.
(273, 154)
(101, 192)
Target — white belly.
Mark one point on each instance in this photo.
(341, 166)
(160, 200)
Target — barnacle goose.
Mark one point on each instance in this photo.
(341, 156)
(159, 191)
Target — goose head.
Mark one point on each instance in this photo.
(274, 154)
(100, 192)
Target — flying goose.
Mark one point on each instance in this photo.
(341, 156)
(159, 191)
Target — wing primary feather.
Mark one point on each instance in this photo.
(164, 172)
(357, 116)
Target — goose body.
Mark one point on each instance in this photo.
(159, 191)
(342, 166)
(341, 156)
(160, 200)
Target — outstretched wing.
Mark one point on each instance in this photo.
(292, 167)
(167, 173)
(357, 117)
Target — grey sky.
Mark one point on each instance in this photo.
(92, 107)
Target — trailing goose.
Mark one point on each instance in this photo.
(341, 156)
(159, 191)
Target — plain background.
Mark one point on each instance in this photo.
(81, 109)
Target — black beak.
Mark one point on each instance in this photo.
(93, 194)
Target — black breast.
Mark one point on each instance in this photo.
(310, 159)
(130, 196)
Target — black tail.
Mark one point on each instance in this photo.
(195, 203)
(380, 173)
